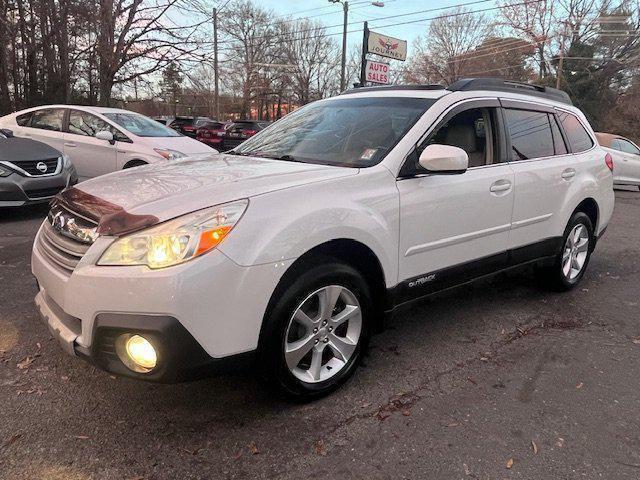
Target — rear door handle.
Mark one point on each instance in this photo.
(569, 173)
(500, 186)
(69, 144)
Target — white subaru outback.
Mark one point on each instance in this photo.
(291, 247)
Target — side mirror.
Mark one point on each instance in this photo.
(105, 135)
(444, 159)
(7, 133)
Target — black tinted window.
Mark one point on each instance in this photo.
(579, 139)
(558, 142)
(48, 119)
(530, 134)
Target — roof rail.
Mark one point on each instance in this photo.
(502, 85)
(392, 87)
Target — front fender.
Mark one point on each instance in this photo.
(283, 225)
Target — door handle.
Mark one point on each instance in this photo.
(69, 144)
(500, 186)
(568, 174)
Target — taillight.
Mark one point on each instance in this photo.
(608, 159)
(249, 132)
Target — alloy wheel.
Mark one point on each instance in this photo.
(323, 334)
(575, 253)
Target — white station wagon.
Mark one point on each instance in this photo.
(292, 247)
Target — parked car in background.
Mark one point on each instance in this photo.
(31, 172)
(239, 131)
(211, 133)
(188, 125)
(293, 245)
(101, 140)
(626, 158)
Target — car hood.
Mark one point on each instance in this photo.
(170, 189)
(12, 149)
(181, 144)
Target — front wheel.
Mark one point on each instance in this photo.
(317, 331)
(571, 263)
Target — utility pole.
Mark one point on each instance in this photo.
(345, 6)
(365, 49)
(216, 93)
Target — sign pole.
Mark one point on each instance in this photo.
(363, 64)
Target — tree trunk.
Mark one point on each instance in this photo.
(106, 60)
(5, 101)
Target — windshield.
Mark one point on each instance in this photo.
(140, 125)
(350, 132)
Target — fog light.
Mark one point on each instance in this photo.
(137, 353)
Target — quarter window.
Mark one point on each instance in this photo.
(24, 120)
(578, 137)
(530, 134)
(47, 119)
(558, 141)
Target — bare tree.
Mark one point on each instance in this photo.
(438, 56)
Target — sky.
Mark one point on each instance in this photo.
(359, 11)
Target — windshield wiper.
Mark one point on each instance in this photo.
(260, 154)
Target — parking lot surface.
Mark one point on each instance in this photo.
(499, 379)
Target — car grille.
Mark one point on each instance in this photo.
(31, 166)
(63, 252)
(43, 192)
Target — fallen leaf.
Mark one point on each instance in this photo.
(636, 341)
(560, 442)
(580, 385)
(453, 425)
(253, 449)
(406, 413)
(484, 359)
(82, 437)
(320, 448)
(238, 455)
(382, 415)
(510, 463)
(472, 380)
(534, 447)
(467, 471)
(26, 362)
(12, 439)
(365, 405)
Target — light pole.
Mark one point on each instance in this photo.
(345, 8)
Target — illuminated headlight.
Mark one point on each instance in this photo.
(168, 154)
(177, 240)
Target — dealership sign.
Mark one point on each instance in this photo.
(377, 72)
(385, 46)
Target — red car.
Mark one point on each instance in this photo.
(211, 133)
(239, 131)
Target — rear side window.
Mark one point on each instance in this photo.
(48, 119)
(579, 139)
(530, 134)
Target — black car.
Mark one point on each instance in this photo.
(239, 131)
(189, 125)
(30, 171)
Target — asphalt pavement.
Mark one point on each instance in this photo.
(496, 380)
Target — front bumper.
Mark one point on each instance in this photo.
(17, 190)
(199, 313)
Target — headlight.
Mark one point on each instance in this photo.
(177, 240)
(169, 154)
(66, 161)
(4, 171)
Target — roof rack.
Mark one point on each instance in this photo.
(392, 87)
(502, 85)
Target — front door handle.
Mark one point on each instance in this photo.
(568, 174)
(69, 144)
(500, 186)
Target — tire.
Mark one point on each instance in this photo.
(287, 334)
(571, 263)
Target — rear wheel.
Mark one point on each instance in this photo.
(134, 163)
(571, 263)
(317, 331)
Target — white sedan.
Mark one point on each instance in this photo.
(102, 140)
(626, 158)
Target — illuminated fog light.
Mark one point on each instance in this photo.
(137, 353)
